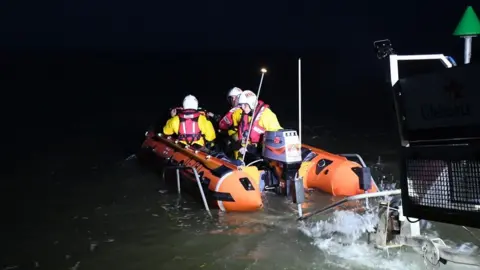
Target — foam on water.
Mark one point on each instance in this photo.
(343, 240)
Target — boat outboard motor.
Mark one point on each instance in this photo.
(282, 150)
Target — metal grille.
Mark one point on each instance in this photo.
(453, 185)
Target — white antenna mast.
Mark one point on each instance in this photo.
(263, 70)
(300, 100)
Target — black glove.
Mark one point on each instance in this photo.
(214, 117)
(252, 149)
(209, 145)
(236, 145)
(217, 117)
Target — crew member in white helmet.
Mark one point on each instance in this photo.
(226, 123)
(263, 117)
(190, 125)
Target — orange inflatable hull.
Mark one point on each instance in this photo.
(226, 186)
(331, 173)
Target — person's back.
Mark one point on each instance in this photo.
(190, 125)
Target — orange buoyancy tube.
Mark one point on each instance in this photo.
(332, 174)
(235, 191)
(231, 189)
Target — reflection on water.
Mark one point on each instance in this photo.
(127, 220)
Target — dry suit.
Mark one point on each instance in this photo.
(191, 127)
(264, 120)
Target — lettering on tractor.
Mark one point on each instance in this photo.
(455, 107)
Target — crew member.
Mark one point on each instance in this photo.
(190, 125)
(226, 123)
(263, 120)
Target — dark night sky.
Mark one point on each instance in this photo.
(120, 92)
(340, 30)
(337, 35)
(218, 24)
(343, 30)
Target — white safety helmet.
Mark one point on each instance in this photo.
(233, 95)
(190, 103)
(248, 97)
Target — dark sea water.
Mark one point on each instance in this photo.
(73, 199)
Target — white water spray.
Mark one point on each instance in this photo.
(342, 237)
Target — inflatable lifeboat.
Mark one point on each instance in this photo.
(238, 188)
